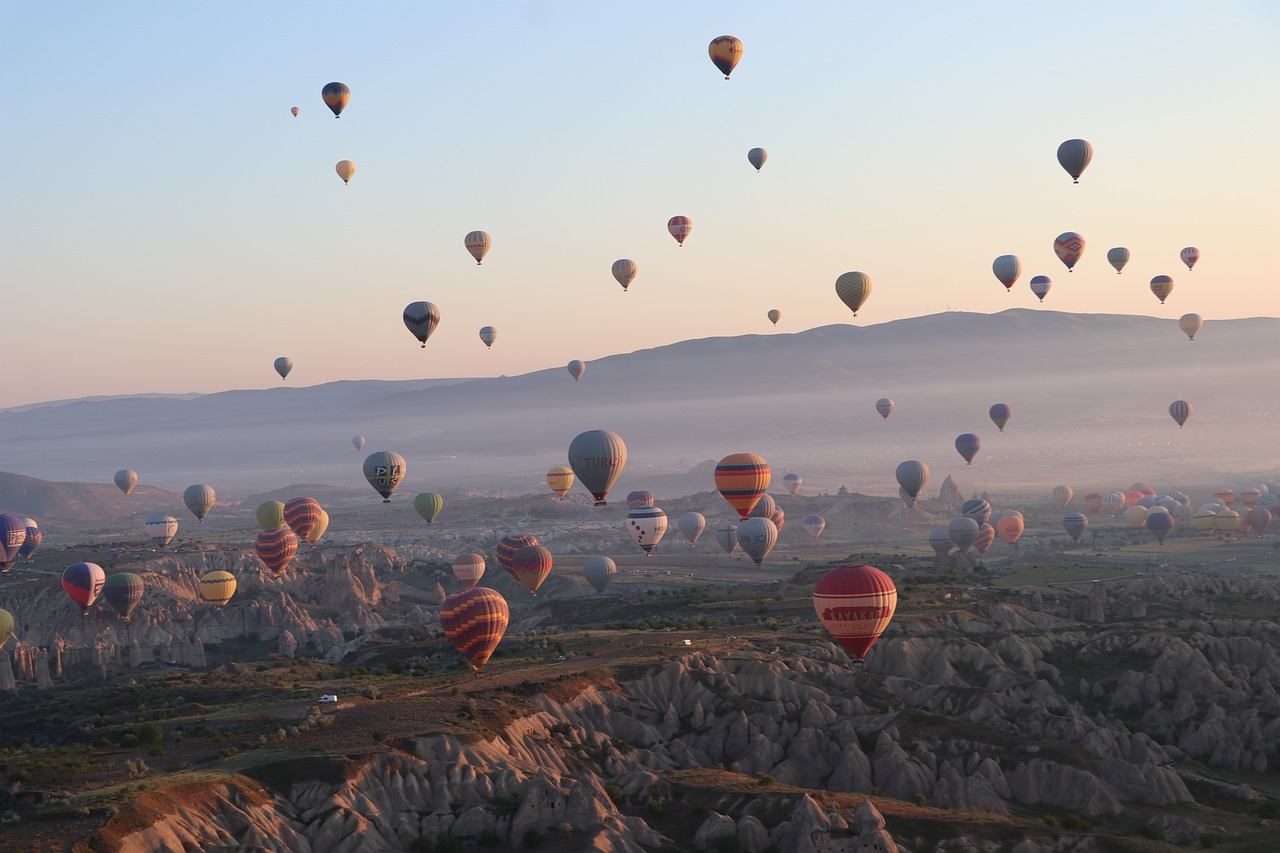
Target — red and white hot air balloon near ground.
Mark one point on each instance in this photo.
(855, 603)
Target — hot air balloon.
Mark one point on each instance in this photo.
(774, 316)
(597, 458)
(6, 626)
(1159, 523)
(725, 51)
(1074, 156)
(126, 479)
(428, 505)
(1136, 516)
(1183, 514)
(756, 157)
(302, 515)
(855, 603)
(122, 591)
(1010, 528)
(599, 571)
(912, 475)
(885, 407)
(1040, 285)
(1189, 256)
(84, 582)
(1204, 521)
(384, 470)
(647, 524)
(31, 543)
(217, 587)
(814, 525)
(941, 542)
(468, 568)
(269, 515)
(1062, 495)
(346, 170)
(1000, 414)
(1259, 519)
(295, 111)
(313, 538)
(968, 445)
(161, 528)
(358, 442)
(13, 534)
(853, 288)
(691, 524)
(792, 483)
(727, 536)
(474, 620)
(963, 532)
(1118, 257)
(1190, 324)
(199, 498)
(1226, 497)
(488, 334)
(1112, 503)
(979, 509)
(1249, 497)
(1007, 268)
(507, 546)
(680, 227)
(576, 368)
(777, 517)
(1162, 286)
(336, 96)
(757, 536)
(1180, 410)
(531, 564)
(1075, 524)
(283, 366)
(624, 270)
(276, 548)
(560, 479)
(741, 479)
(1069, 246)
(986, 535)
(421, 318)
(1093, 503)
(477, 243)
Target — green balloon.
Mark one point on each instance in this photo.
(428, 505)
(270, 515)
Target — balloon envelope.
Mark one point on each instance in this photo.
(13, 535)
(421, 319)
(912, 475)
(756, 157)
(560, 479)
(84, 582)
(1000, 414)
(6, 626)
(468, 568)
(647, 525)
(488, 334)
(599, 571)
(940, 541)
(122, 591)
(313, 538)
(1118, 257)
(1189, 256)
(1040, 285)
(508, 545)
(597, 458)
(276, 548)
(624, 270)
(217, 587)
(757, 536)
(161, 528)
(478, 243)
(691, 525)
(474, 620)
(853, 288)
(727, 536)
(725, 53)
(1069, 246)
(1190, 324)
(199, 498)
(358, 442)
(1162, 286)
(1074, 155)
(428, 505)
(1007, 268)
(741, 478)
(302, 515)
(269, 514)
(1010, 528)
(680, 227)
(346, 170)
(283, 366)
(792, 483)
(1075, 524)
(1160, 523)
(639, 498)
(31, 543)
(126, 480)
(295, 111)
(384, 470)
(1180, 410)
(336, 96)
(576, 368)
(855, 603)
(764, 507)
(979, 509)
(986, 535)
(963, 532)
(531, 565)
(1062, 495)
(968, 445)
(774, 316)
(885, 407)
(814, 525)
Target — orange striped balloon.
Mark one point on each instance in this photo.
(742, 478)
(474, 620)
(302, 515)
(276, 548)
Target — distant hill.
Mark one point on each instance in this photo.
(84, 502)
(1089, 392)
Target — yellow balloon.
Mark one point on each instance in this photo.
(346, 170)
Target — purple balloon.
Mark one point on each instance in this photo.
(13, 533)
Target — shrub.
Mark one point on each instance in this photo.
(919, 799)
(1152, 832)
(379, 737)
(766, 779)
(150, 733)
(1074, 821)
(655, 807)
(1050, 820)
(615, 793)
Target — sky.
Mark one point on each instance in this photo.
(167, 226)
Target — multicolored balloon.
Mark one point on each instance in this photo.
(560, 479)
(468, 568)
(814, 525)
(31, 544)
(597, 458)
(885, 407)
(1118, 257)
(6, 626)
(680, 227)
(855, 603)
(1069, 246)
(757, 536)
(1180, 410)
(478, 243)
(421, 319)
(765, 507)
(84, 582)
(122, 591)
(624, 270)
(13, 535)
(1189, 256)
(968, 445)
(647, 524)
(507, 547)
(276, 548)
(530, 565)
(1074, 155)
(336, 96)
(126, 479)
(741, 478)
(1162, 286)
(217, 587)
(428, 505)
(1040, 285)
(475, 620)
(725, 53)
(384, 470)
(986, 536)
(200, 498)
(1010, 527)
(599, 571)
(1007, 268)
(853, 288)
(792, 483)
(979, 509)
(302, 515)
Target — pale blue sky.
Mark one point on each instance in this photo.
(167, 226)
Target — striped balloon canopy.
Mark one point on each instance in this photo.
(855, 603)
(531, 565)
(468, 568)
(276, 548)
(302, 515)
(474, 620)
(217, 587)
(508, 545)
(741, 479)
